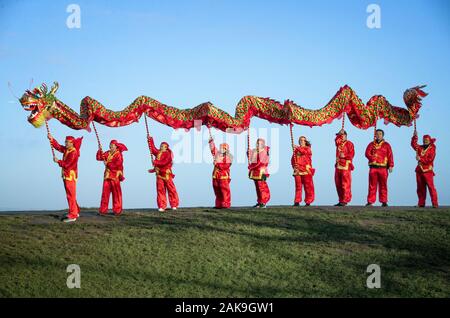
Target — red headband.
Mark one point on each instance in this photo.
(75, 141)
(432, 140)
(120, 147)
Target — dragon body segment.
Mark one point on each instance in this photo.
(43, 105)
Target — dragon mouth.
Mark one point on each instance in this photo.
(33, 114)
(37, 117)
(31, 107)
(28, 105)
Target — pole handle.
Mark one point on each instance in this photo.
(148, 136)
(98, 141)
(291, 127)
(48, 133)
(248, 144)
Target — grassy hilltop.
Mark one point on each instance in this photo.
(242, 252)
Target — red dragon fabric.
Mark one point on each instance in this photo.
(43, 105)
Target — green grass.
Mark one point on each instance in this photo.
(200, 252)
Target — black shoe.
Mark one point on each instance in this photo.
(384, 204)
(307, 204)
(262, 206)
(296, 204)
(340, 204)
(257, 205)
(369, 204)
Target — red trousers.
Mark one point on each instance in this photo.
(71, 194)
(111, 186)
(166, 186)
(305, 181)
(343, 181)
(262, 191)
(425, 180)
(378, 179)
(222, 192)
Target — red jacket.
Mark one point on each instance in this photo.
(380, 154)
(301, 161)
(114, 164)
(222, 163)
(426, 156)
(259, 161)
(69, 162)
(163, 161)
(345, 152)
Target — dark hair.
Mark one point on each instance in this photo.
(307, 143)
(382, 131)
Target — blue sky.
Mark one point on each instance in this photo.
(184, 53)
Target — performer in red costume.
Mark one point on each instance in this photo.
(221, 174)
(301, 162)
(345, 151)
(425, 155)
(381, 162)
(69, 165)
(164, 176)
(113, 175)
(258, 172)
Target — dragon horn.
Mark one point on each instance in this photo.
(37, 91)
(54, 88)
(44, 89)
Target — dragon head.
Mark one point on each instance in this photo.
(39, 101)
(414, 95)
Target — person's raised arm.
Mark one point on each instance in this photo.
(212, 147)
(152, 146)
(414, 143)
(55, 144)
(100, 156)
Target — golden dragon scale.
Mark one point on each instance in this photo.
(43, 105)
